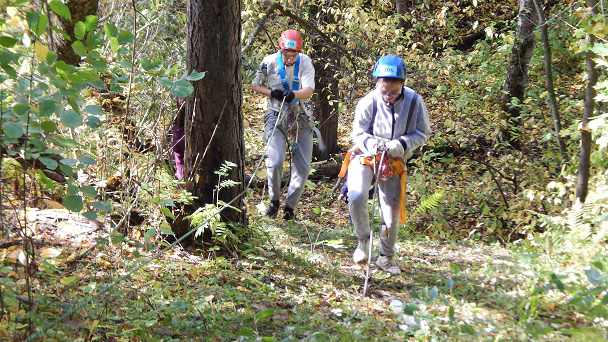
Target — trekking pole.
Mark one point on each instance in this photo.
(377, 171)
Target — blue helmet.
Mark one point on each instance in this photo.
(390, 66)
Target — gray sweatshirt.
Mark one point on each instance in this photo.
(392, 121)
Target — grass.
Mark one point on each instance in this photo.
(296, 280)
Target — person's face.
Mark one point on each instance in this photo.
(390, 89)
(289, 56)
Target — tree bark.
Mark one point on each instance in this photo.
(327, 64)
(79, 9)
(557, 126)
(516, 79)
(582, 184)
(214, 119)
(401, 7)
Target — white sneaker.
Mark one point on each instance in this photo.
(388, 264)
(360, 254)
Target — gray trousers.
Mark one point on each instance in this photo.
(359, 180)
(300, 160)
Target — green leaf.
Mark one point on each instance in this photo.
(60, 9)
(73, 203)
(167, 212)
(114, 44)
(7, 41)
(47, 107)
(67, 143)
(117, 238)
(93, 121)
(467, 329)
(433, 294)
(264, 314)
(69, 161)
(151, 63)
(41, 25)
(32, 19)
(71, 119)
(50, 163)
(195, 75)
(594, 276)
(20, 108)
(93, 41)
(103, 206)
(73, 189)
(410, 308)
(181, 88)
(245, 332)
(125, 37)
(67, 170)
(91, 215)
(149, 234)
(10, 71)
(88, 190)
(90, 22)
(14, 130)
(110, 30)
(79, 48)
(87, 160)
(48, 183)
(165, 82)
(48, 126)
(165, 229)
(598, 265)
(450, 282)
(79, 30)
(451, 313)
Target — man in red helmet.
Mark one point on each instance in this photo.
(287, 78)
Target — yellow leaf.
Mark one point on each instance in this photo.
(41, 51)
(50, 252)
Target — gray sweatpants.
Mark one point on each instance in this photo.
(359, 180)
(300, 159)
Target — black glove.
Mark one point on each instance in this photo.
(289, 95)
(277, 94)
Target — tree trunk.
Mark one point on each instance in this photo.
(557, 126)
(582, 183)
(517, 73)
(214, 119)
(327, 64)
(79, 9)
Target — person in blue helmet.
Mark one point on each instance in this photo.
(391, 119)
(287, 78)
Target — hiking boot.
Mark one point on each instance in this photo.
(388, 264)
(273, 209)
(289, 215)
(360, 254)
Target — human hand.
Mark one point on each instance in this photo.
(289, 95)
(374, 144)
(395, 148)
(277, 94)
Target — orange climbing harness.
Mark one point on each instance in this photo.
(393, 166)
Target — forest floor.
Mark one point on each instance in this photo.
(296, 280)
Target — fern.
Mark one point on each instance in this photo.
(429, 202)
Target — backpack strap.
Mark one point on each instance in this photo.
(370, 130)
(411, 110)
(296, 74)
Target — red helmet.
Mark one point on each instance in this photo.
(290, 40)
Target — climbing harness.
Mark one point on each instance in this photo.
(289, 115)
(386, 167)
(296, 75)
